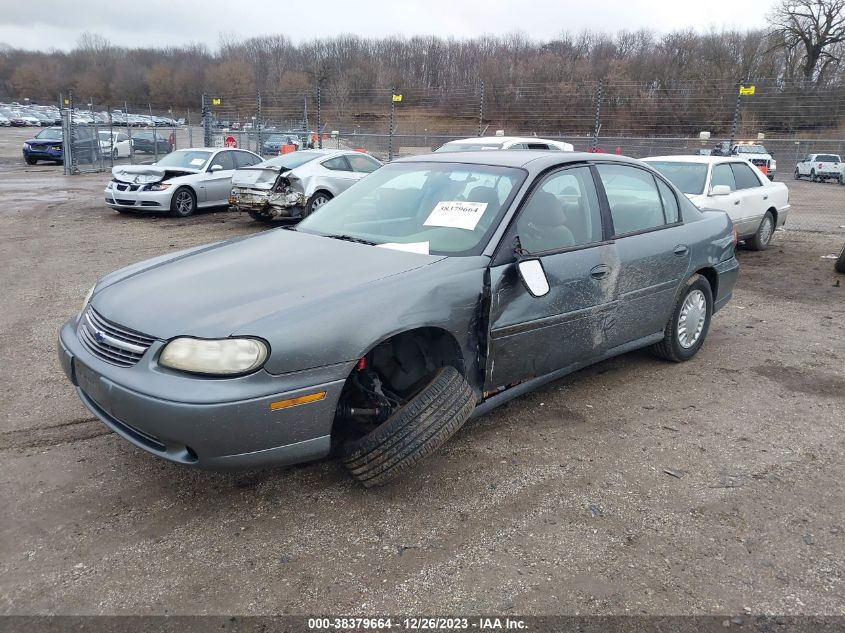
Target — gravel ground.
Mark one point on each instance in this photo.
(635, 486)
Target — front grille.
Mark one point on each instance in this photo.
(111, 342)
(759, 161)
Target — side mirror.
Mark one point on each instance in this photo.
(534, 277)
(720, 190)
(216, 168)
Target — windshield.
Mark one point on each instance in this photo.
(467, 147)
(51, 134)
(688, 177)
(439, 208)
(185, 159)
(751, 149)
(292, 160)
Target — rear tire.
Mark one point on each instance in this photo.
(797, 174)
(687, 328)
(763, 237)
(183, 203)
(419, 428)
(813, 176)
(840, 261)
(315, 202)
(258, 216)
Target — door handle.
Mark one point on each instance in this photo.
(681, 249)
(737, 201)
(600, 272)
(766, 197)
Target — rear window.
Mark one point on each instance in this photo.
(688, 177)
(827, 158)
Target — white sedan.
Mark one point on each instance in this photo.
(118, 144)
(180, 183)
(756, 205)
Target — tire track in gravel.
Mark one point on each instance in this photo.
(53, 435)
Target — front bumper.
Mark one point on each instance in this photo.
(211, 423)
(47, 154)
(139, 200)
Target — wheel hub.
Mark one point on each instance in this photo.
(691, 319)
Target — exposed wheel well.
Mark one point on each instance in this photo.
(774, 213)
(712, 278)
(399, 367)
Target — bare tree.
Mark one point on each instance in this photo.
(811, 33)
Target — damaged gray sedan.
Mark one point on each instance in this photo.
(295, 185)
(435, 289)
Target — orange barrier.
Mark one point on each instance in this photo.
(287, 149)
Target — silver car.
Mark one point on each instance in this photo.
(180, 183)
(296, 184)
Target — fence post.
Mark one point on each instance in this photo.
(260, 124)
(305, 121)
(190, 129)
(129, 133)
(155, 132)
(597, 124)
(392, 123)
(111, 136)
(319, 116)
(206, 121)
(71, 145)
(735, 124)
(481, 110)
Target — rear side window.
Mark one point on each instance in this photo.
(362, 164)
(633, 198)
(243, 159)
(670, 202)
(744, 176)
(337, 164)
(723, 175)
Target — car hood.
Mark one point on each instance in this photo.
(221, 289)
(44, 141)
(141, 174)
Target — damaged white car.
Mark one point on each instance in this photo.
(179, 184)
(293, 185)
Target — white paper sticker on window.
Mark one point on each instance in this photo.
(412, 247)
(198, 161)
(456, 214)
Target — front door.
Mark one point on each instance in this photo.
(561, 225)
(218, 184)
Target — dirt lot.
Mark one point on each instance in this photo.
(557, 503)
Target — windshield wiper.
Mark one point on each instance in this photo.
(349, 238)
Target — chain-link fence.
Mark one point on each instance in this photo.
(661, 117)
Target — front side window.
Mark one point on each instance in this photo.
(744, 176)
(438, 208)
(723, 175)
(224, 159)
(633, 198)
(562, 212)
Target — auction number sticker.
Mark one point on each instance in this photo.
(456, 214)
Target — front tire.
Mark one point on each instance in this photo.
(687, 328)
(31, 161)
(763, 237)
(417, 429)
(183, 203)
(114, 154)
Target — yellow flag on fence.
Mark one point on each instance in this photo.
(747, 90)
(397, 98)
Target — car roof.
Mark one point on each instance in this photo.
(693, 158)
(532, 160)
(481, 140)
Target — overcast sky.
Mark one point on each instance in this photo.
(45, 24)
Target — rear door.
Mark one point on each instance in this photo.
(561, 225)
(338, 175)
(753, 196)
(218, 184)
(653, 250)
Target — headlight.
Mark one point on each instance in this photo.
(26, 145)
(87, 299)
(773, 164)
(161, 186)
(223, 357)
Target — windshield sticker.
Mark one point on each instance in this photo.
(456, 214)
(413, 247)
(199, 162)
